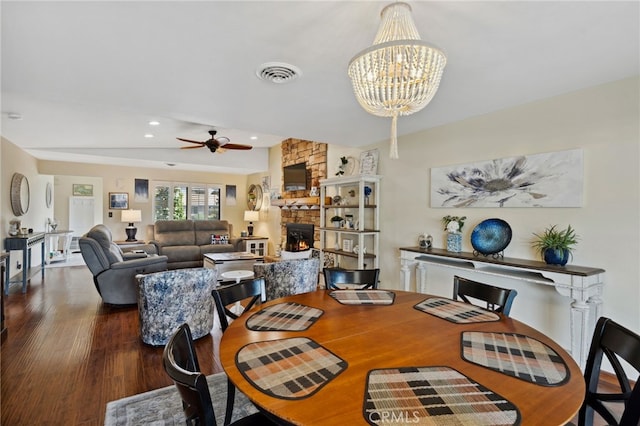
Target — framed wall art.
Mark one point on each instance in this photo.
(82, 190)
(369, 162)
(552, 179)
(118, 200)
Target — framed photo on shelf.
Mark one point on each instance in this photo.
(118, 200)
(369, 162)
(82, 190)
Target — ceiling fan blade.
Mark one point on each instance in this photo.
(237, 146)
(187, 140)
(191, 147)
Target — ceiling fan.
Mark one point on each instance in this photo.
(214, 143)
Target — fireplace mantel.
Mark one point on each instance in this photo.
(296, 203)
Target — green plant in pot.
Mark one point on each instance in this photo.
(555, 245)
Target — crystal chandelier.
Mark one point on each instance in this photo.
(400, 73)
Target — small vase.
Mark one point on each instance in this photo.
(454, 242)
(556, 257)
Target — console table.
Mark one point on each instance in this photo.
(23, 243)
(57, 245)
(582, 284)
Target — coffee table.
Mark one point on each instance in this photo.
(231, 261)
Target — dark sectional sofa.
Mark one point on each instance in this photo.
(184, 242)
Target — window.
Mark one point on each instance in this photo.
(182, 201)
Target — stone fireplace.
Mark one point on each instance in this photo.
(299, 236)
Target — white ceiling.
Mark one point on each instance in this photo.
(87, 76)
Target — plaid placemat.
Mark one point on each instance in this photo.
(454, 311)
(284, 317)
(363, 297)
(288, 368)
(516, 355)
(433, 395)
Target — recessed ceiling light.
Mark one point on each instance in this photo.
(148, 135)
(154, 123)
(254, 138)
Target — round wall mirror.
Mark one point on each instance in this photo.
(254, 197)
(48, 195)
(19, 194)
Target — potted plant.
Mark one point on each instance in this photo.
(453, 225)
(337, 221)
(555, 246)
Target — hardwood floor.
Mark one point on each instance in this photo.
(67, 355)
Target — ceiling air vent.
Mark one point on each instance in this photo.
(278, 72)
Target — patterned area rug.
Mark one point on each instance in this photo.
(164, 407)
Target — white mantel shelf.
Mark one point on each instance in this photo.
(582, 284)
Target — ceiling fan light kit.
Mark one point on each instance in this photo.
(399, 74)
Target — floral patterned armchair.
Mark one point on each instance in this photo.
(170, 298)
(288, 277)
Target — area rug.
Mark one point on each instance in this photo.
(164, 407)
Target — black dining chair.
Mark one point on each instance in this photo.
(181, 364)
(497, 299)
(251, 290)
(365, 278)
(616, 342)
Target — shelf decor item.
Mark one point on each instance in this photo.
(453, 225)
(491, 237)
(337, 221)
(555, 246)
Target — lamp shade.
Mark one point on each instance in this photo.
(131, 216)
(251, 216)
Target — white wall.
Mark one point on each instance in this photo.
(603, 121)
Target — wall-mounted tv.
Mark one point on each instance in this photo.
(295, 177)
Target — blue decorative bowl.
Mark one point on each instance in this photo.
(491, 236)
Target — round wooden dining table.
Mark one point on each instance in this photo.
(394, 336)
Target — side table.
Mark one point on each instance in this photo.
(256, 245)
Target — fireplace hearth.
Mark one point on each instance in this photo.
(299, 237)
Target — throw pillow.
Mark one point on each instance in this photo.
(219, 239)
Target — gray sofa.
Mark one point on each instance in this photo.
(184, 242)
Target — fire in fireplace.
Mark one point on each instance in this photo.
(299, 237)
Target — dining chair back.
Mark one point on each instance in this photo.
(615, 342)
(226, 295)
(253, 290)
(497, 299)
(363, 278)
(181, 364)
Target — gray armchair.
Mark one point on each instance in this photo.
(114, 272)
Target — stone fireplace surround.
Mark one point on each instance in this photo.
(314, 154)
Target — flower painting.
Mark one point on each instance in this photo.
(540, 180)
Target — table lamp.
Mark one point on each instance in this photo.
(131, 216)
(251, 216)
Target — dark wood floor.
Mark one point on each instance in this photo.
(67, 355)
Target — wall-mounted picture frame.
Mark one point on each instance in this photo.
(118, 200)
(82, 190)
(369, 162)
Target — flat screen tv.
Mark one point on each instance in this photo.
(295, 177)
